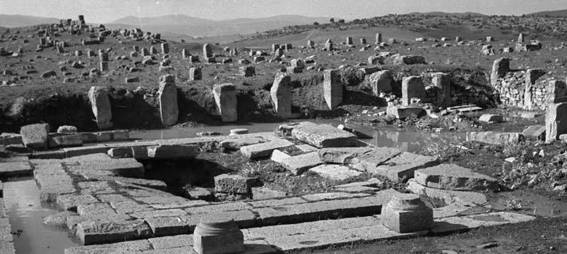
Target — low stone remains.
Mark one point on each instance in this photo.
(332, 88)
(167, 97)
(495, 138)
(406, 213)
(280, 92)
(323, 135)
(101, 108)
(226, 100)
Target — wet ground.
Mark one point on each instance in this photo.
(26, 213)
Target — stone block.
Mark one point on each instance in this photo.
(300, 163)
(35, 136)
(536, 132)
(264, 150)
(169, 152)
(412, 87)
(234, 184)
(495, 138)
(323, 135)
(226, 100)
(167, 98)
(332, 88)
(555, 125)
(218, 237)
(67, 140)
(491, 118)
(280, 93)
(101, 107)
(335, 172)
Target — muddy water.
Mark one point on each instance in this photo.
(26, 214)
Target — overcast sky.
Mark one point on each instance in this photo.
(100, 11)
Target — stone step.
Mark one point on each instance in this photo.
(309, 235)
(97, 230)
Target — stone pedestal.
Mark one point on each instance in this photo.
(218, 237)
(332, 88)
(227, 103)
(406, 213)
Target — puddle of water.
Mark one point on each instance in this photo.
(531, 203)
(26, 214)
(405, 140)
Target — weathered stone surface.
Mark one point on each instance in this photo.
(495, 138)
(259, 193)
(459, 223)
(100, 104)
(555, 121)
(237, 143)
(332, 88)
(235, 184)
(35, 136)
(453, 177)
(67, 129)
(93, 232)
(264, 149)
(300, 163)
(10, 138)
(403, 112)
(371, 185)
(443, 82)
(323, 135)
(66, 140)
(227, 103)
(346, 155)
(402, 166)
(335, 172)
(407, 213)
(412, 87)
(381, 82)
(280, 93)
(557, 90)
(491, 118)
(218, 237)
(15, 168)
(71, 201)
(195, 73)
(500, 67)
(167, 97)
(278, 156)
(448, 196)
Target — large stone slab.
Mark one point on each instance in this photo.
(362, 158)
(101, 108)
(35, 136)
(167, 98)
(323, 135)
(226, 100)
(300, 163)
(335, 172)
(402, 166)
(495, 138)
(453, 177)
(16, 168)
(264, 149)
(448, 196)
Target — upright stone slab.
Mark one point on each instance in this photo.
(103, 66)
(100, 104)
(381, 82)
(500, 67)
(555, 121)
(557, 91)
(167, 98)
(521, 39)
(532, 75)
(443, 82)
(184, 53)
(329, 46)
(348, 41)
(332, 88)
(378, 38)
(207, 51)
(35, 136)
(227, 104)
(281, 95)
(412, 87)
(165, 48)
(195, 73)
(310, 44)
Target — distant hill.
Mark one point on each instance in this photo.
(10, 21)
(197, 27)
(457, 14)
(559, 13)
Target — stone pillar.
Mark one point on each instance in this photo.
(153, 50)
(281, 95)
(348, 41)
(381, 82)
(218, 237)
(363, 41)
(275, 47)
(443, 81)
(406, 213)
(195, 73)
(378, 38)
(532, 75)
(165, 48)
(185, 53)
(500, 67)
(208, 53)
(332, 88)
(103, 56)
(226, 100)
(101, 107)
(521, 39)
(103, 66)
(310, 44)
(412, 87)
(167, 98)
(329, 45)
(555, 121)
(145, 52)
